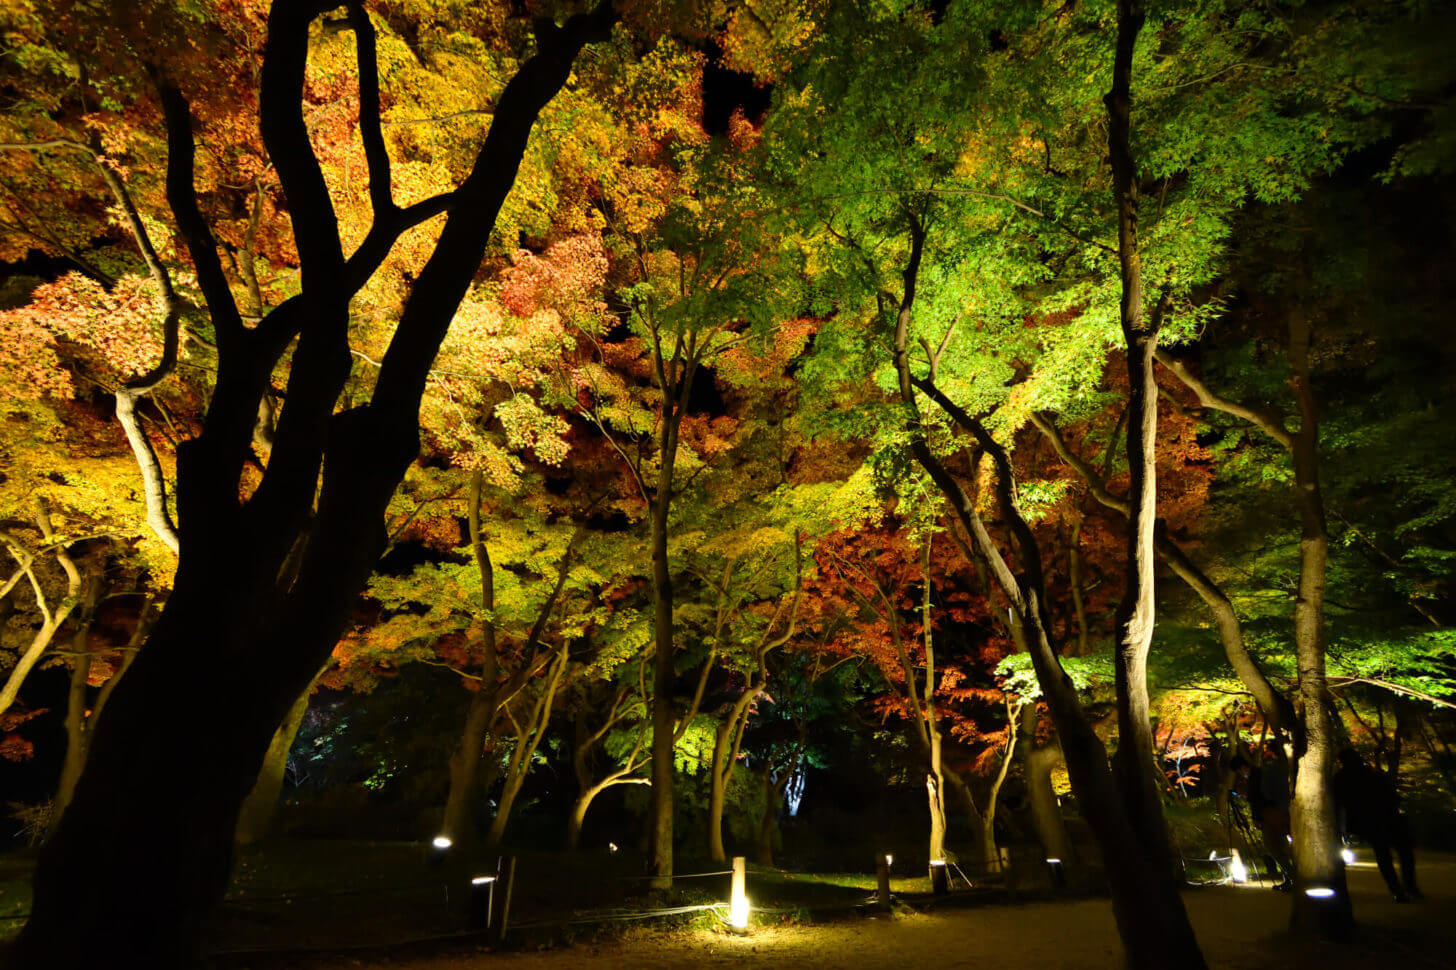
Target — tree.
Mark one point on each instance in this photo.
(124, 820)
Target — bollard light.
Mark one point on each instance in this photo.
(1238, 872)
(481, 902)
(889, 860)
(1347, 856)
(738, 898)
(738, 911)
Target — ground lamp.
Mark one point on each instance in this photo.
(482, 899)
(1238, 872)
(440, 848)
(738, 900)
(939, 877)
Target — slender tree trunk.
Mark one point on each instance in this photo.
(465, 790)
(76, 711)
(577, 819)
(1317, 863)
(1076, 581)
(515, 777)
(768, 822)
(260, 810)
(663, 678)
(1132, 764)
(78, 748)
(527, 742)
(1037, 764)
(717, 782)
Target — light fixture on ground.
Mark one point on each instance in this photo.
(939, 877)
(1238, 872)
(1347, 855)
(738, 898)
(440, 848)
(482, 900)
(1319, 892)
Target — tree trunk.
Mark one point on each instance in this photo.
(142, 856)
(663, 678)
(768, 822)
(717, 782)
(79, 730)
(260, 810)
(76, 716)
(465, 789)
(578, 815)
(514, 779)
(1317, 863)
(935, 802)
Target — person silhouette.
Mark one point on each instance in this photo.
(1368, 807)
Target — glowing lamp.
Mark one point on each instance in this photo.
(937, 862)
(1347, 855)
(1319, 892)
(1238, 872)
(738, 899)
(1054, 862)
(442, 842)
(1212, 854)
(889, 860)
(482, 880)
(611, 847)
(738, 912)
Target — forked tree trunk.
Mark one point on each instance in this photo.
(141, 858)
(260, 811)
(1317, 863)
(527, 741)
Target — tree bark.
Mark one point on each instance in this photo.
(141, 858)
(1132, 764)
(260, 810)
(527, 741)
(77, 714)
(1317, 863)
(1276, 708)
(464, 793)
(1037, 764)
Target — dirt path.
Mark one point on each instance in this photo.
(1239, 928)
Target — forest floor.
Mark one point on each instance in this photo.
(1240, 928)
